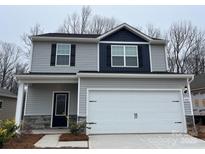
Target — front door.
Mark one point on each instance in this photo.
(60, 109)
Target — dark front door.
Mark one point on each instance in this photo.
(60, 109)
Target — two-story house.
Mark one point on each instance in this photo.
(117, 82)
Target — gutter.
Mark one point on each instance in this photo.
(21, 77)
(63, 39)
(120, 75)
(88, 40)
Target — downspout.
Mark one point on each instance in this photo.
(190, 97)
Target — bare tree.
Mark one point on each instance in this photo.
(87, 23)
(182, 36)
(195, 63)
(153, 31)
(101, 24)
(186, 48)
(35, 30)
(9, 58)
(85, 15)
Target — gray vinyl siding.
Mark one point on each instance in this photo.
(39, 98)
(158, 58)
(86, 58)
(8, 109)
(126, 83)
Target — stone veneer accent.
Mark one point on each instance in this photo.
(41, 121)
(37, 121)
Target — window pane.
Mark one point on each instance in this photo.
(117, 50)
(131, 61)
(118, 61)
(61, 104)
(0, 104)
(130, 51)
(62, 60)
(63, 49)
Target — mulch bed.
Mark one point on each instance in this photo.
(24, 141)
(71, 137)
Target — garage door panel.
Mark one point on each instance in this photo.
(113, 111)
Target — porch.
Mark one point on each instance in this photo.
(47, 102)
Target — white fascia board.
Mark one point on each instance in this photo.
(129, 28)
(113, 75)
(47, 78)
(64, 39)
(160, 42)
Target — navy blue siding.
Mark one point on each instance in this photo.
(123, 35)
(105, 60)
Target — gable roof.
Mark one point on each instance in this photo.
(129, 28)
(198, 82)
(94, 37)
(7, 93)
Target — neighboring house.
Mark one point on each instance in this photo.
(198, 97)
(7, 104)
(117, 82)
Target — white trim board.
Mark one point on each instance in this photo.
(125, 75)
(121, 42)
(78, 101)
(98, 57)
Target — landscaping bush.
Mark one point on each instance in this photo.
(7, 130)
(2, 136)
(77, 128)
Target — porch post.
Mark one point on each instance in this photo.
(19, 105)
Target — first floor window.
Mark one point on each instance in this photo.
(63, 54)
(124, 56)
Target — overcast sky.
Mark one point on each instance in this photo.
(15, 20)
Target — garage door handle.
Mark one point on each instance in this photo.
(178, 122)
(92, 101)
(175, 101)
(91, 123)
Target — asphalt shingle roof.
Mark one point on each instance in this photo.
(198, 82)
(6, 93)
(69, 35)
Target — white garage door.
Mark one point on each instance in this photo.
(130, 111)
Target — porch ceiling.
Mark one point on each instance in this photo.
(47, 78)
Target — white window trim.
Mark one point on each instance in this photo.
(124, 56)
(63, 54)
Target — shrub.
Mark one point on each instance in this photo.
(3, 133)
(7, 130)
(77, 128)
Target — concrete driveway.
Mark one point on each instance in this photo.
(145, 141)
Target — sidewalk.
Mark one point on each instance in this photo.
(52, 141)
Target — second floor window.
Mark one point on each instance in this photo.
(63, 54)
(124, 56)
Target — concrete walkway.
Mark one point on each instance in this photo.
(51, 141)
(145, 141)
